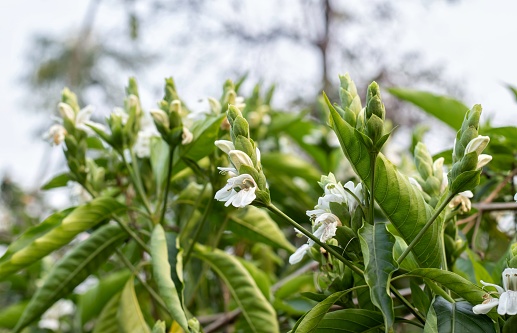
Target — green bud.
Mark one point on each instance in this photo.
(373, 90)
(374, 128)
(70, 98)
(347, 84)
(477, 144)
(423, 161)
(161, 119)
(244, 144)
(361, 120)
(132, 87)
(240, 127)
(170, 90)
(375, 107)
(232, 113)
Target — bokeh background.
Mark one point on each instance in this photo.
(464, 49)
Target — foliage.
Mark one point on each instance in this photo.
(189, 222)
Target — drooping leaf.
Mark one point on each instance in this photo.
(458, 317)
(80, 219)
(88, 303)
(162, 275)
(377, 244)
(159, 161)
(259, 276)
(400, 201)
(175, 258)
(255, 308)
(76, 266)
(448, 110)
(35, 232)
(60, 180)
(255, 224)
(351, 321)
(459, 285)
(108, 321)
(312, 318)
(129, 314)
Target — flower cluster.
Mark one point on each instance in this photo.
(324, 221)
(247, 182)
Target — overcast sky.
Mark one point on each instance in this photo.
(475, 39)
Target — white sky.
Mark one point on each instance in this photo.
(475, 39)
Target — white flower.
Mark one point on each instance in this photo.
(477, 144)
(160, 117)
(228, 170)
(327, 225)
(515, 197)
(120, 113)
(225, 145)
(246, 194)
(483, 160)
(507, 301)
(186, 136)
(142, 146)
(81, 119)
(463, 201)
(56, 134)
(239, 158)
(298, 255)
(357, 191)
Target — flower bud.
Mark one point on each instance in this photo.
(240, 127)
(215, 106)
(374, 128)
(423, 161)
(160, 118)
(477, 144)
(239, 158)
(186, 136)
(233, 112)
(66, 111)
(483, 160)
(225, 145)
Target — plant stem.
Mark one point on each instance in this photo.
(419, 236)
(167, 184)
(371, 201)
(330, 250)
(150, 290)
(414, 311)
(197, 233)
(137, 181)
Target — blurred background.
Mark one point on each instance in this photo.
(464, 49)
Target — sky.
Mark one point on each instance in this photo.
(474, 39)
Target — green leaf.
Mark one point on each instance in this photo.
(510, 325)
(290, 165)
(312, 318)
(60, 180)
(79, 220)
(351, 321)
(159, 327)
(400, 201)
(162, 275)
(458, 317)
(88, 304)
(159, 161)
(257, 311)
(76, 266)
(256, 225)
(10, 315)
(205, 133)
(467, 180)
(33, 233)
(377, 244)
(459, 285)
(431, 322)
(108, 321)
(130, 316)
(448, 110)
(513, 90)
(259, 276)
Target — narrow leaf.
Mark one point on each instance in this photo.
(377, 244)
(79, 220)
(257, 311)
(311, 320)
(130, 316)
(448, 110)
(57, 181)
(76, 266)
(459, 285)
(162, 275)
(108, 322)
(400, 201)
(255, 224)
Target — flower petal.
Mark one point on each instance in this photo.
(484, 308)
(298, 255)
(499, 289)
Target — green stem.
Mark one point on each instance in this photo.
(196, 204)
(137, 181)
(167, 184)
(419, 236)
(371, 201)
(150, 290)
(414, 311)
(309, 235)
(197, 233)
